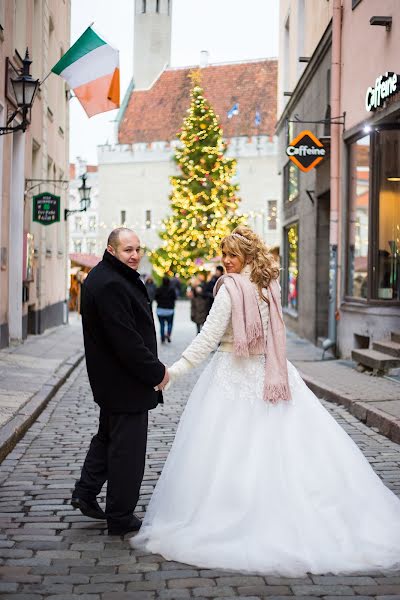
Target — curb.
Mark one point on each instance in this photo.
(12, 431)
(384, 423)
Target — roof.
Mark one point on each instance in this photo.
(85, 260)
(157, 114)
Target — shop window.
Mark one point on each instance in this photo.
(358, 235)
(291, 180)
(291, 282)
(272, 214)
(386, 284)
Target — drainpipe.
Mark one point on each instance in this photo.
(335, 176)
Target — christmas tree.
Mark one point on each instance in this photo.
(203, 199)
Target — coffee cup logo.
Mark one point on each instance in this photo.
(306, 151)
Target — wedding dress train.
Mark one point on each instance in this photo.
(266, 488)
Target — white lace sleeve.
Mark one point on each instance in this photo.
(208, 338)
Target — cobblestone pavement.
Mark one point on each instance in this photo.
(47, 550)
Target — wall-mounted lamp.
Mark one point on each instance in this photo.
(24, 88)
(84, 193)
(382, 22)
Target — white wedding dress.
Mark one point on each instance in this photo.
(271, 489)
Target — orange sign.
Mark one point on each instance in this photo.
(306, 151)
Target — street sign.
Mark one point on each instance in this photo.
(46, 209)
(306, 151)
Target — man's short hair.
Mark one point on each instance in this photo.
(113, 238)
(220, 269)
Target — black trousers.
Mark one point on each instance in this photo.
(117, 454)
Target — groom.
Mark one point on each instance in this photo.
(123, 369)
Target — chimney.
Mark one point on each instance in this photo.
(203, 59)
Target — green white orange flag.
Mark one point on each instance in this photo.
(91, 68)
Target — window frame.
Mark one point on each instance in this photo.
(373, 219)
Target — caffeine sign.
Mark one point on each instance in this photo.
(46, 208)
(385, 86)
(306, 151)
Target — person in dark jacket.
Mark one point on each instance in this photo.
(209, 290)
(123, 369)
(165, 298)
(151, 288)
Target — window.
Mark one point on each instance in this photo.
(78, 223)
(143, 6)
(148, 219)
(291, 282)
(374, 217)
(91, 246)
(92, 223)
(359, 219)
(291, 181)
(123, 217)
(386, 259)
(272, 209)
(157, 6)
(78, 246)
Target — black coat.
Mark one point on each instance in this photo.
(120, 339)
(165, 296)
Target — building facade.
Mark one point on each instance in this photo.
(134, 173)
(84, 226)
(304, 101)
(341, 220)
(33, 271)
(370, 170)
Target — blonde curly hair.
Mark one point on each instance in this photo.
(251, 249)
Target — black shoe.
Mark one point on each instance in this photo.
(168, 339)
(134, 525)
(90, 509)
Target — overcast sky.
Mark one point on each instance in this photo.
(230, 30)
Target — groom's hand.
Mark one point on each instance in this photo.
(164, 382)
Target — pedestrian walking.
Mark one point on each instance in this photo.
(278, 488)
(209, 288)
(165, 297)
(150, 288)
(176, 285)
(123, 368)
(199, 303)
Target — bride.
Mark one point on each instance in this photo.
(260, 477)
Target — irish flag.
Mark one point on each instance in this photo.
(91, 68)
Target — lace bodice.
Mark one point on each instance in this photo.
(217, 329)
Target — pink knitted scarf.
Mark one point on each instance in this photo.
(248, 331)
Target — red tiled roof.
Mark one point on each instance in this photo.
(157, 114)
(85, 260)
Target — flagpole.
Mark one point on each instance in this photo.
(50, 72)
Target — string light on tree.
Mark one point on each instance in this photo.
(203, 200)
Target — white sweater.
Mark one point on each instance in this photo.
(216, 331)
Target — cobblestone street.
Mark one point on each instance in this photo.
(48, 550)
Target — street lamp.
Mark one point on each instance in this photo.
(84, 194)
(24, 88)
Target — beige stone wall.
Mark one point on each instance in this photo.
(44, 27)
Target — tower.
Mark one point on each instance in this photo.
(152, 40)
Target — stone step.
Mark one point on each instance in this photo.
(395, 335)
(387, 347)
(375, 360)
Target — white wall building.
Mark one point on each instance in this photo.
(134, 173)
